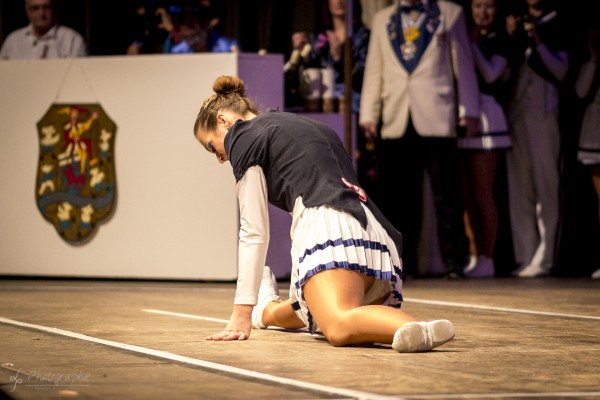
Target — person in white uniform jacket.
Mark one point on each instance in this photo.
(419, 85)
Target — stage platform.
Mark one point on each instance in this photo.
(136, 339)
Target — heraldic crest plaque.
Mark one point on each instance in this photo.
(76, 181)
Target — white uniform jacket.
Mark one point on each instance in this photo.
(389, 92)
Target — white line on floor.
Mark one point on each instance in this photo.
(190, 316)
(503, 309)
(352, 394)
(561, 395)
(224, 321)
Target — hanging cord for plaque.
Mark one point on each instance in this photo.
(66, 75)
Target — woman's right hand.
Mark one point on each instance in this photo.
(512, 23)
(369, 131)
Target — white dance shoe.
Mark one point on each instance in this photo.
(267, 293)
(415, 337)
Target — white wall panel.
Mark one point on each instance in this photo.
(176, 212)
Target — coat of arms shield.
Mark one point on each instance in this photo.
(76, 181)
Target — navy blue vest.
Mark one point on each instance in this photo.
(299, 157)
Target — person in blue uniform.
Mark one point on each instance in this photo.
(346, 265)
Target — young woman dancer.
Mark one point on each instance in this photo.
(346, 266)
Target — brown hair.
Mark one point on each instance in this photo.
(229, 94)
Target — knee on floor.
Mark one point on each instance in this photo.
(339, 332)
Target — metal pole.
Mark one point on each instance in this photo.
(88, 23)
(1, 22)
(348, 78)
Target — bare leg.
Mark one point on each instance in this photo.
(484, 212)
(467, 190)
(596, 181)
(478, 171)
(281, 315)
(335, 299)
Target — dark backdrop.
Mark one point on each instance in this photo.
(257, 24)
(268, 24)
(106, 24)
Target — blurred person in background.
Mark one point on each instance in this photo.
(419, 85)
(43, 37)
(587, 88)
(179, 27)
(480, 154)
(540, 63)
(325, 49)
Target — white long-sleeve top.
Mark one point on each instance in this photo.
(254, 236)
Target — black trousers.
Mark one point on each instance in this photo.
(402, 163)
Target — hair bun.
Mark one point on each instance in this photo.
(229, 84)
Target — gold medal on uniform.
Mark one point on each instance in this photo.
(411, 34)
(409, 47)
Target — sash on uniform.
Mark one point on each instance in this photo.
(409, 43)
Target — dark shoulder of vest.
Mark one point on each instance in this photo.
(494, 43)
(550, 32)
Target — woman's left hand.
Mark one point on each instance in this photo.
(239, 326)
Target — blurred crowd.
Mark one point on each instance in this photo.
(485, 104)
(178, 27)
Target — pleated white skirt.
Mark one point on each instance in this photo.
(493, 129)
(326, 238)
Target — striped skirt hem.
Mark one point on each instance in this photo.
(325, 238)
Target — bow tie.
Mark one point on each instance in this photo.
(415, 7)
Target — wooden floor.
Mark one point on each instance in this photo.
(82, 339)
